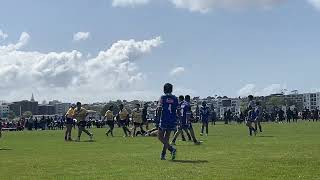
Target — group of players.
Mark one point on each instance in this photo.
(173, 115)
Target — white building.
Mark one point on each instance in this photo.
(311, 101)
(60, 108)
(4, 111)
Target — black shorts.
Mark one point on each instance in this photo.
(110, 123)
(137, 124)
(69, 121)
(123, 123)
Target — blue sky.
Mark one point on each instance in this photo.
(232, 49)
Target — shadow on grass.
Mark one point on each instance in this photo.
(190, 161)
(85, 141)
(5, 149)
(266, 136)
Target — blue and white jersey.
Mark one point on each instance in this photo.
(168, 105)
(186, 112)
(204, 113)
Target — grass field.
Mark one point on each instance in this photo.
(282, 151)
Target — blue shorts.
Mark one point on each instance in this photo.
(123, 123)
(168, 127)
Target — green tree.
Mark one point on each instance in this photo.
(27, 114)
(276, 102)
(11, 115)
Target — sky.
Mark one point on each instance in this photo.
(96, 51)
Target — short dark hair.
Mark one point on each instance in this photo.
(181, 97)
(250, 96)
(78, 103)
(187, 98)
(167, 88)
(110, 107)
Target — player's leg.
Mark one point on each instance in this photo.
(193, 136)
(111, 128)
(185, 129)
(134, 130)
(66, 133)
(80, 128)
(88, 133)
(167, 146)
(176, 134)
(69, 129)
(182, 135)
(260, 127)
(207, 128)
(202, 129)
(161, 139)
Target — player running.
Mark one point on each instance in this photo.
(69, 123)
(137, 120)
(80, 115)
(123, 117)
(180, 128)
(250, 120)
(258, 117)
(109, 118)
(187, 117)
(204, 117)
(167, 107)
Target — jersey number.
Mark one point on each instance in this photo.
(170, 108)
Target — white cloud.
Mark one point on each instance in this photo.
(81, 36)
(129, 3)
(247, 90)
(71, 75)
(315, 3)
(177, 71)
(251, 89)
(3, 36)
(205, 6)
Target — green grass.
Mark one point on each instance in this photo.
(282, 151)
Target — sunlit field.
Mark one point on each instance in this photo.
(282, 151)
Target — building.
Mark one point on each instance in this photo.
(46, 109)
(20, 107)
(311, 101)
(4, 111)
(60, 108)
(295, 100)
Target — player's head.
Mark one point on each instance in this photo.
(137, 105)
(187, 98)
(121, 106)
(167, 88)
(145, 105)
(258, 103)
(78, 105)
(204, 103)
(250, 97)
(110, 108)
(181, 98)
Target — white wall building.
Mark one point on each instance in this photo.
(311, 101)
(4, 111)
(60, 108)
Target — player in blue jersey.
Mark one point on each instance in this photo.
(180, 129)
(258, 117)
(186, 114)
(167, 106)
(204, 117)
(250, 121)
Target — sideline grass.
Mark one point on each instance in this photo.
(282, 151)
